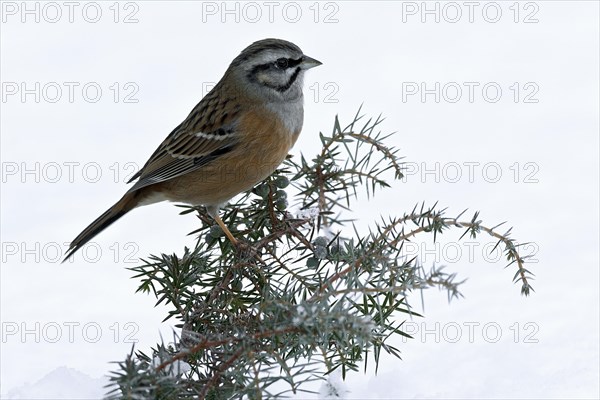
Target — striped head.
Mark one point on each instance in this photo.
(272, 69)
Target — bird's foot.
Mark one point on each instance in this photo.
(245, 251)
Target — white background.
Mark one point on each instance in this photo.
(372, 52)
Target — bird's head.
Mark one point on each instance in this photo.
(273, 68)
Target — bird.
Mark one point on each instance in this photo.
(235, 137)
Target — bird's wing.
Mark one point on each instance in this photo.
(209, 132)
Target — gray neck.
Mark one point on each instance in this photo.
(291, 112)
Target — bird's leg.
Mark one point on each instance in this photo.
(226, 230)
(243, 250)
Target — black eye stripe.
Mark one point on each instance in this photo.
(273, 65)
(285, 63)
(292, 63)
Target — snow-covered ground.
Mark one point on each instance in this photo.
(495, 106)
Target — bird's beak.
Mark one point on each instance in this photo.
(308, 62)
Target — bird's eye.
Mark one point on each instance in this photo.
(282, 63)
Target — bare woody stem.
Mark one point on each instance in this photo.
(207, 344)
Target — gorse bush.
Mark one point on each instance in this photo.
(308, 293)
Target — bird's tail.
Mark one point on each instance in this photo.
(121, 207)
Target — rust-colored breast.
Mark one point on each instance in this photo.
(263, 144)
